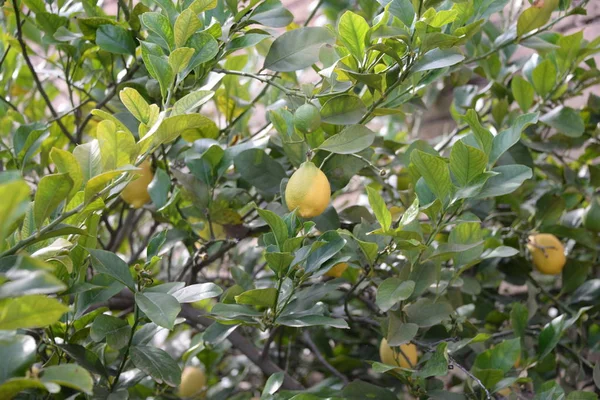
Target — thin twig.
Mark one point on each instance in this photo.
(315, 350)
(36, 78)
(470, 375)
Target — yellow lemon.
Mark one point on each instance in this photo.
(547, 252)
(406, 358)
(337, 270)
(193, 381)
(136, 192)
(308, 190)
(307, 118)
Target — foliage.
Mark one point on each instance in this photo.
(99, 299)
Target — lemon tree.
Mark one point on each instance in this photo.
(273, 199)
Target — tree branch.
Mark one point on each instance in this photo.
(36, 78)
(315, 350)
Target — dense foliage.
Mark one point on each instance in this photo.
(429, 241)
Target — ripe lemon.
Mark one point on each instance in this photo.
(307, 118)
(193, 381)
(308, 190)
(136, 192)
(407, 358)
(337, 270)
(547, 252)
(591, 218)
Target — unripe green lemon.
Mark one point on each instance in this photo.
(547, 252)
(337, 270)
(192, 384)
(308, 191)
(307, 118)
(591, 218)
(406, 358)
(136, 192)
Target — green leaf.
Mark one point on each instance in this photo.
(519, 315)
(344, 109)
(359, 390)
(383, 215)
(403, 10)
(30, 282)
(258, 297)
(15, 201)
(21, 351)
(509, 137)
(279, 262)
(186, 24)
(89, 159)
(69, 375)
(553, 331)
(354, 32)
(199, 6)
(115, 39)
(273, 383)
(136, 104)
(197, 292)
(117, 148)
(393, 290)
(95, 185)
(159, 188)
(109, 263)
(399, 332)
(86, 358)
(272, 14)
(116, 331)
(161, 308)
(277, 225)
(192, 125)
(260, 170)
(437, 365)
(509, 178)
(66, 163)
(180, 58)
(426, 313)
(466, 162)
(161, 71)
(191, 101)
(535, 16)
(51, 191)
(438, 58)
(544, 77)
(299, 321)
(206, 48)
(157, 363)
(565, 120)
(13, 387)
(297, 49)
(522, 91)
(161, 27)
(502, 356)
(434, 171)
(483, 136)
(351, 139)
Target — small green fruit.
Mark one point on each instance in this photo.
(591, 218)
(307, 118)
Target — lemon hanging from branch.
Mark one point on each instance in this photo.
(405, 358)
(308, 191)
(136, 192)
(307, 118)
(547, 252)
(192, 384)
